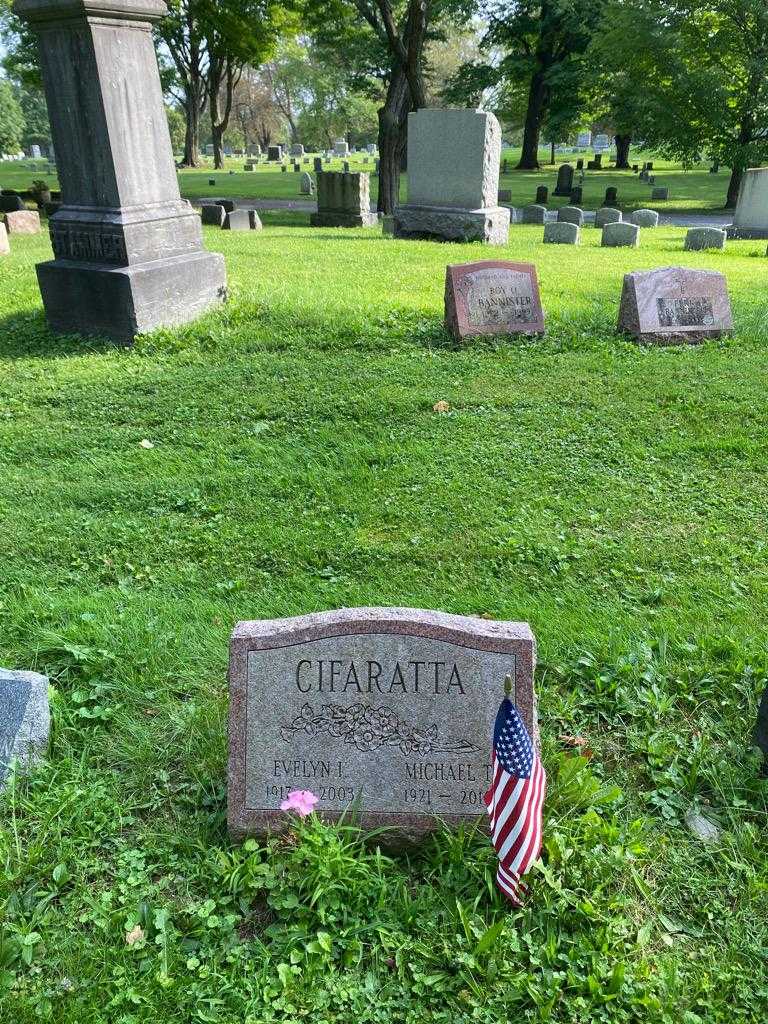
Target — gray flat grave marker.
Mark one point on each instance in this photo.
(562, 232)
(389, 709)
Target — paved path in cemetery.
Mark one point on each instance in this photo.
(685, 220)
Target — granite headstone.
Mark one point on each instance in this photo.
(387, 710)
(675, 305)
(25, 719)
(492, 297)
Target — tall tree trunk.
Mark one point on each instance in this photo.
(537, 94)
(733, 188)
(192, 112)
(623, 143)
(393, 121)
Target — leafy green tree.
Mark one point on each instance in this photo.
(699, 69)
(176, 127)
(239, 33)
(37, 128)
(384, 42)
(11, 119)
(542, 74)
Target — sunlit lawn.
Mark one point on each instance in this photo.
(613, 496)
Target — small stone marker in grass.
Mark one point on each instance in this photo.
(274, 153)
(644, 218)
(705, 238)
(307, 186)
(611, 196)
(505, 195)
(25, 719)
(11, 201)
(675, 305)
(542, 195)
(562, 233)
(617, 234)
(570, 215)
(22, 222)
(607, 215)
(390, 710)
(213, 213)
(576, 195)
(564, 180)
(660, 193)
(5, 246)
(237, 220)
(492, 297)
(254, 220)
(534, 214)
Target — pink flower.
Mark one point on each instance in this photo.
(300, 800)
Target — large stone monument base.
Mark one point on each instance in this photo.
(449, 224)
(338, 219)
(121, 302)
(751, 217)
(128, 251)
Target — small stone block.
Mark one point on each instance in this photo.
(10, 201)
(705, 238)
(618, 233)
(211, 181)
(675, 305)
(5, 246)
(25, 719)
(254, 221)
(237, 220)
(374, 741)
(505, 195)
(644, 218)
(492, 297)
(562, 233)
(660, 193)
(22, 222)
(570, 215)
(213, 213)
(534, 214)
(607, 215)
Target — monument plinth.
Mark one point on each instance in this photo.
(128, 250)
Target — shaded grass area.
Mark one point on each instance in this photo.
(689, 190)
(613, 496)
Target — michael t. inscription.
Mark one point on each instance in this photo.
(492, 297)
(387, 709)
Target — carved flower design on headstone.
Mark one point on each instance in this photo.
(368, 728)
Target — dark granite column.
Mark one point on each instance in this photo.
(128, 250)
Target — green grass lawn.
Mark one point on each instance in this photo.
(613, 496)
(689, 190)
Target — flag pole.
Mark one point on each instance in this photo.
(508, 686)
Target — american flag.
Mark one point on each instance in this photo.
(515, 800)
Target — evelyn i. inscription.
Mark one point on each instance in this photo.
(388, 710)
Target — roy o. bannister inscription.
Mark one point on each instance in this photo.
(492, 297)
(387, 710)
